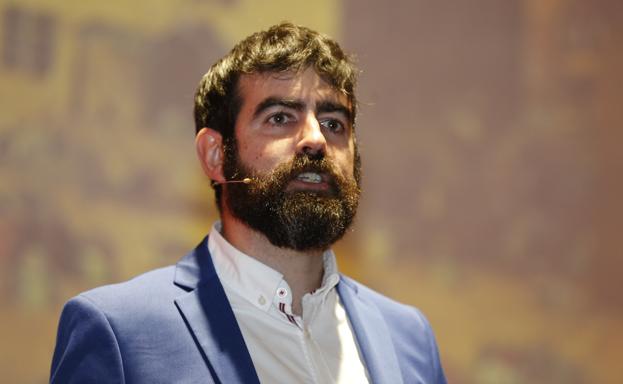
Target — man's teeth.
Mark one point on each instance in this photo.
(310, 177)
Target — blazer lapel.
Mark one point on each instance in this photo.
(211, 320)
(372, 335)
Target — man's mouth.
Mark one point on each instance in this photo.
(310, 177)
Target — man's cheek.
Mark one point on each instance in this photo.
(347, 167)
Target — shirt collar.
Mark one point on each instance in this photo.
(254, 281)
(330, 277)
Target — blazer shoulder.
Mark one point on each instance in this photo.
(152, 285)
(131, 305)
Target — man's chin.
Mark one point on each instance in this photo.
(302, 221)
(312, 222)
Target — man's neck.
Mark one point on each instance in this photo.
(302, 270)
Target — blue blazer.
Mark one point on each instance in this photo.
(175, 325)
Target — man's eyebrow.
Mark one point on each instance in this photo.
(272, 101)
(331, 106)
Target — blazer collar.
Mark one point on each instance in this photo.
(195, 267)
(211, 320)
(371, 333)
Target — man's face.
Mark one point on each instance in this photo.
(294, 137)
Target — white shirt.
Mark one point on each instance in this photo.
(317, 347)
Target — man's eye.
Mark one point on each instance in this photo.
(279, 119)
(333, 125)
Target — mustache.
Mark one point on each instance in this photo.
(302, 163)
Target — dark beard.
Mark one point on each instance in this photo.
(300, 220)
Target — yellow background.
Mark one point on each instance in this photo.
(490, 135)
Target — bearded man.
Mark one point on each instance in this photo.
(260, 299)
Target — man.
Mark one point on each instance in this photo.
(260, 299)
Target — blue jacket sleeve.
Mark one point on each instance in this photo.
(439, 376)
(86, 347)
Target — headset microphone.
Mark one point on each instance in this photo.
(246, 180)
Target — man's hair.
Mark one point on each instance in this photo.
(283, 47)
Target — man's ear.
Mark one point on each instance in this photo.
(209, 145)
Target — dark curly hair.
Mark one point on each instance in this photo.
(283, 47)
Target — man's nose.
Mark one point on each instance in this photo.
(311, 140)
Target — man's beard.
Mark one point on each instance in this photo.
(300, 220)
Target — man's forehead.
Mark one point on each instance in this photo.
(305, 85)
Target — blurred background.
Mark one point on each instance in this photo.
(490, 133)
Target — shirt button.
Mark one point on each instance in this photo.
(282, 292)
(261, 300)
